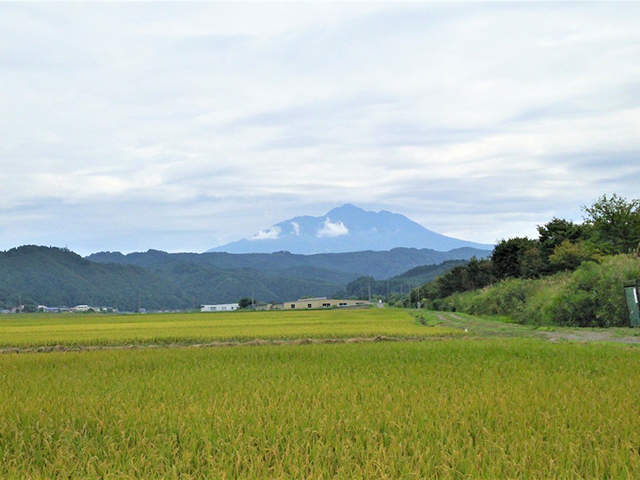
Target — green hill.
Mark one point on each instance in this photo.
(161, 281)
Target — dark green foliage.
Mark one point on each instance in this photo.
(593, 295)
(159, 281)
(462, 278)
(615, 223)
(402, 283)
(557, 231)
(329, 267)
(244, 302)
(515, 258)
(58, 277)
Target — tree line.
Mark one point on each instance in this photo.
(611, 226)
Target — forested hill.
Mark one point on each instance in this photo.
(377, 264)
(58, 277)
(162, 281)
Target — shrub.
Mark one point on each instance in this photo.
(592, 296)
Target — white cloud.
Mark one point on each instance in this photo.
(296, 228)
(331, 229)
(269, 234)
(143, 123)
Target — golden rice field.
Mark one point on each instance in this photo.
(453, 408)
(505, 408)
(78, 329)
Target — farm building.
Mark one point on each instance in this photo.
(315, 302)
(223, 307)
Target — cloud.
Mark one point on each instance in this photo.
(147, 125)
(330, 229)
(269, 234)
(296, 228)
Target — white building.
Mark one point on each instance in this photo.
(224, 307)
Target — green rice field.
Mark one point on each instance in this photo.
(450, 407)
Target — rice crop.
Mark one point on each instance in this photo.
(499, 408)
(78, 329)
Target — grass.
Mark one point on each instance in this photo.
(71, 330)
(498, 408)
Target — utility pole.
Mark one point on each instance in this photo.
(387, 290)
(369, 291)
(253, 306)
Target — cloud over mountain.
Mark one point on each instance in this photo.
(330, 229)
(345, 229)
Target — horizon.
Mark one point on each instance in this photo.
(136, 126)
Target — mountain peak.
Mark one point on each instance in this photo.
(347, 228)
(346, 208)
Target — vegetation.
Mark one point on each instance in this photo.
(156, 280)
(446, 410)
(359, 288)
(190, 328)
(570, 275)
(34, 275)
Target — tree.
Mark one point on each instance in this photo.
(553, 233)
(244, 302)
(615, 223)
(569, 256)
(508, 258)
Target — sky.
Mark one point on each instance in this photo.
(184, 126)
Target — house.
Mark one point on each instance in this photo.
(223, 307)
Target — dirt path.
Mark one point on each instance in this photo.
(495, 328)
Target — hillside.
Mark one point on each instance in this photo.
(402, 283)
(57, 277)
(345, 229)
(378, 264)
(161, 281)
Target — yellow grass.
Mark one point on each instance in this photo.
(36, 330)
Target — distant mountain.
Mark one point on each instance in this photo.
(346, 229)
(402, 283)
(158, 280)
(341, 268)
(58, 277)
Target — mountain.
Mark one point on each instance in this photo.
(344, 267)
(402, 283)
(346, 229)
(59, 277)
(158, 280)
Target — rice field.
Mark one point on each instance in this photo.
(454, 406)
(185, 328)
(498, 408)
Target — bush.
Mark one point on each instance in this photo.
(592, 296)
(595, 297)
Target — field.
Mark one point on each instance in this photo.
(459, 407)
(189, 328)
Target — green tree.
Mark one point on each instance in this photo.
(556, 231)
(244, 302)
(569, 256)
(509, 257)
(615, 223)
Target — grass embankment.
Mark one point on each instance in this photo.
(591, 296)
(501, 408)
(91, 330)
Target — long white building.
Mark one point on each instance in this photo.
(223, 307)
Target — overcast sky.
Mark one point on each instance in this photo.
(181, 127)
